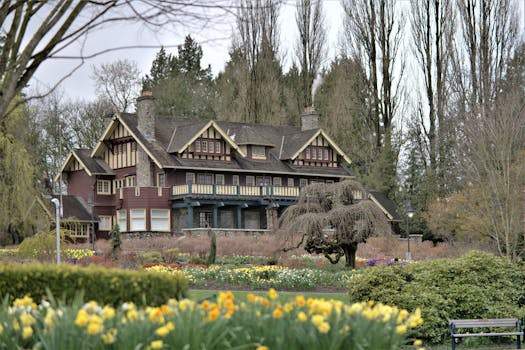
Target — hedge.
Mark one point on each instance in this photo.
(107, 286)
(477, 285)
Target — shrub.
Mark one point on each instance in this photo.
(170, 256)
(116, 242)
(41, 246)
(151, 257)
(213, 248)
(477, 285)
(105, 285)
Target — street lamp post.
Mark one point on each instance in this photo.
(56, 203)
(410, 214)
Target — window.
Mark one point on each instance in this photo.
(258, 152)
(307, 153)
(131, 181)
(250, 180)
(205, 219)
(205, 179)
(205, 146)
(122, 220)
(314, 153)
(277, 181)
(137, 219)
(291, 182)
(263, 181)
(219, 179)
(211, 147)
(160, 219)
(325, 153)
(218, 147)
(104, 222)
(303, 182)
(197, 146)
(329, 181)
(161, 180)
(235, 180)
(319, 153)
(103, 187)
(190, 178)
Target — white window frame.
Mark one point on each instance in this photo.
(277, 181)
(131, 181)
(122, 220)
(104, 222)
(160, 220)
(211, 147)
(204, 146)
(198, 146)
(291, 182)
(252, 180)
(191, 177)
(326, 153)
(103, 186)
(219, 179)
(218, 147)
(134, 216)
(303, 182)
(307, 153)
(235, 180)
(161, 180)
(208, 179)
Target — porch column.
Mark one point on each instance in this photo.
(190, 217)
(239, 217)
(215, 216)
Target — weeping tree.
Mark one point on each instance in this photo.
(332, 220)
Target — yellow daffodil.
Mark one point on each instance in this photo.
(277, 313)
(324, 327)
(109, 337)
(82, 318)
(301, 317)
(27, 332)
(94, 328)
(401, 329)
(156, 345)
(272, 294)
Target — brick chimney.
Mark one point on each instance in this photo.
(309, 119)
(146, 125)
(146, 114)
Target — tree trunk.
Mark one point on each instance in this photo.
(349, 249)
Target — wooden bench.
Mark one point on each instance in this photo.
(486, 323)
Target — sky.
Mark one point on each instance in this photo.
(215, 41)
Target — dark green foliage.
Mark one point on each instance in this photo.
(108, 286)
(181, 86)
(213, 248)
(478, 285)
(116, 242)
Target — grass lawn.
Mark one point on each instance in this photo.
(198, 294)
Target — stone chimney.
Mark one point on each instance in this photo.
(146, 125)
(146, 114)
(309, 119)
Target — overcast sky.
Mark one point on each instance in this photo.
(215, 41)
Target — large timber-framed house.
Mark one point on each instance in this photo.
(164, 174)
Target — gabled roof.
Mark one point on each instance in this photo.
(385, 204)
(74, 208)
(92, 166)
(173, 135)
(298, 142)
(184, 136)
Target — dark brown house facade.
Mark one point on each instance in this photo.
(153, 173)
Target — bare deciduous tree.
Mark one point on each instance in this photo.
(373, 29)
(433, 26)
(118, 82)
(311, 46)
(324, 206)
(34, 31)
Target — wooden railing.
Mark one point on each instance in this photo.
(245, 191)
(235, 190)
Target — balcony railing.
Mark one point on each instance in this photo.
(245, 191)
(236, 190)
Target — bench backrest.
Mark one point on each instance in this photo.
(488, 322)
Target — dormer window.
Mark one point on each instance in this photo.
(258, 152)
